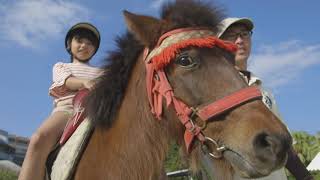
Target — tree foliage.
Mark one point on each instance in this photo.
(7, 175)
(307, 146)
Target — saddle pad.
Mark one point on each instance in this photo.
(70, 153)
(79, 115)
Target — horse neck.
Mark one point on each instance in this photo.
(135, 146)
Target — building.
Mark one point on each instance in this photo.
(20, 144)
(13, 147)
(6, 151)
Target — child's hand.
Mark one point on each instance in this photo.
(88, 84)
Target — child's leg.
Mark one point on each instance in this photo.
(41, 142)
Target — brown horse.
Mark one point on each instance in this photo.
(139, 103)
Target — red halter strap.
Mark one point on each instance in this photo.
(218, 107)
(158, 88)
(228, 102)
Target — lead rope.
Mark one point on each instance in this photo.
(206, 165)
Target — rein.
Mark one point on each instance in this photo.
(159, 88)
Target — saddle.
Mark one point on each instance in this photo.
(64, 158)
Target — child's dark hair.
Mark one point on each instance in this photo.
(79, 34)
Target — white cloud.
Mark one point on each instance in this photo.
(280, 64)
(28, 22)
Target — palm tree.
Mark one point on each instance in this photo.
(306, 145)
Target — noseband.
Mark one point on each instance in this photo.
(159, 88)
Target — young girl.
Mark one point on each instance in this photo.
(82, 42)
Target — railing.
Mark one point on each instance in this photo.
(180, 173)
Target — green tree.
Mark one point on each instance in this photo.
(306, 145)
(7, 175)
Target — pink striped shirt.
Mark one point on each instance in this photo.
(62, 71)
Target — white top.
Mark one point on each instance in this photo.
(62, 71)
(267, 96)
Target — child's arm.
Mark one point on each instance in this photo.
(75, 84)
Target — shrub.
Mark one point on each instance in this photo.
(7, 175)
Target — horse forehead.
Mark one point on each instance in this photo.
(175, 37)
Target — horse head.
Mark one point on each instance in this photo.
(254, 140)
(183, 86)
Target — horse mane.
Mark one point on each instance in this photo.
(103, 102)
(192, 13)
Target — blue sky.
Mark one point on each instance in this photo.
(286, 52)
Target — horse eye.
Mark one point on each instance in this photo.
(185, 61)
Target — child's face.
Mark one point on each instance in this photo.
(82, 48)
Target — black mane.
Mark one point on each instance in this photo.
(192, 13)
(104, 101)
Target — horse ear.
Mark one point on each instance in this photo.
(145, 28)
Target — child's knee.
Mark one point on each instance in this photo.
(39, 140)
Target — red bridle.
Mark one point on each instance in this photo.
(158, 86)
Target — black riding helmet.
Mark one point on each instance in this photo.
(82, 28)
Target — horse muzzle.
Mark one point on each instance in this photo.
(269, 154)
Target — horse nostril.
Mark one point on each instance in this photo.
(262, 141)
(273, 143)
(269, 147)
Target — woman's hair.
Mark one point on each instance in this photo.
(82, 33)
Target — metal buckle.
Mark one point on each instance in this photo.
(156, 77)
(204, 125)
(192, 129)
(194, 112)
(217, 151)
